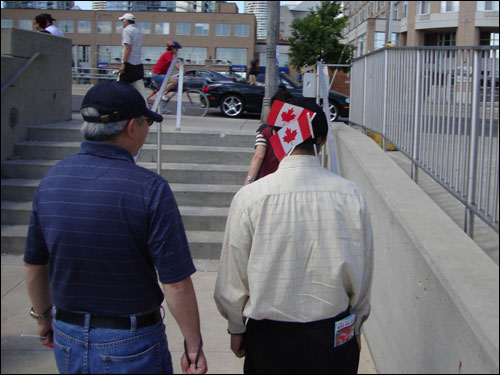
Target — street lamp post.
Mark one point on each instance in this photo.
(271, 63)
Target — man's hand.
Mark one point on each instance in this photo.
(122, 69)
(237, 345)
(45, 329)
(199, 368)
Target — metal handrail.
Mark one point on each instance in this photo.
(18, 73)
(439, 107)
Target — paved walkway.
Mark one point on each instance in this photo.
(22, 355)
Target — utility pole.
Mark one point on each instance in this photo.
(272, 76)
(388, 26)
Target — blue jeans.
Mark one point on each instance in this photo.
(158, 78)
(87, 350)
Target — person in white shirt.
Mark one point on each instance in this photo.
(296, 264)
(54, 30)
(131, 68)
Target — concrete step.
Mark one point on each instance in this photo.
(183, 173)
(199, 195)
(70, 132)
(203, 245)
(193, 218)
(51, 150)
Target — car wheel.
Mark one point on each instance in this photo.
(232, 105)
(334, 112)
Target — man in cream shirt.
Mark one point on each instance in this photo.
(296, 266)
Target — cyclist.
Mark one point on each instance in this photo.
(161, 67)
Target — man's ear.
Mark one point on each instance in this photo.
(130, 129)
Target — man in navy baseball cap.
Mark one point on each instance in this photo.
(116, 101)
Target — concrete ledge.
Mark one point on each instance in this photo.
(435, 297)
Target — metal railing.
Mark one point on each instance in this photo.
(18, 72)
(439, 107)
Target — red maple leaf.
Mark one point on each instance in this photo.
(288, 116)
(290, 135)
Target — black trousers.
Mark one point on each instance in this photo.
(132, 73)
(297, 348)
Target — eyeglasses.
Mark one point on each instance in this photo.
(149, 120)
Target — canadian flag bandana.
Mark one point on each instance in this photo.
(296, 127)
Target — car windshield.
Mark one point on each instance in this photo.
(292, 80)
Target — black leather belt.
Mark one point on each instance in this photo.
(110, 322)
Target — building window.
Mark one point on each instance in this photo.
(118, 27)
(379, 40)
(183, 28)
(423, 7)
(84, 27)
(193, 55)
(162, 28)
(201, 29)
(395, 15)
(222, 29)
(241, 30)
(144, 27)
(150, 54)
(104, 27)
(66, 26)
(7, 23)
(109, 54)
(236, 56)
(361, 45)
(26, 24)
(449, 6)
(405, 9)
(487, 38)
(487, 5)
(446, 39)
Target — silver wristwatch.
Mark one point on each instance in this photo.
(44, 315)
(250, 178)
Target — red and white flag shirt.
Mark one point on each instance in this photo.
(296, 126)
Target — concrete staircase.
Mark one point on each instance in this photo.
(204, 170)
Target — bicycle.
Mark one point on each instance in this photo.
(194, 102)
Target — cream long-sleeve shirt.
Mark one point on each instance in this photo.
(297, 248)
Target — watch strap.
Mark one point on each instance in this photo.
(44, 315)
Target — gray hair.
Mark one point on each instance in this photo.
(98, 131)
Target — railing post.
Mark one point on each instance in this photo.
(364, 94)
(417, 117)
(471, 190)
(386, 87)
(180, 88)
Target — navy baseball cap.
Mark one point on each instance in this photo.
(116, 101)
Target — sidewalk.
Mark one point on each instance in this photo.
(27, 356)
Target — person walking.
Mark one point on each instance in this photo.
(51, 28)
(296, 266)
(253, 71)
(264, 161)
(100, 226)
(131, 68)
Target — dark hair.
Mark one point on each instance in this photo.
(41, 20)
(48, 17)
(282, 94)
(130, 21)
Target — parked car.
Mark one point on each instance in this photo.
(195, 78)
(235, 98)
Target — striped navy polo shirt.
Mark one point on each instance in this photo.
(103, 224)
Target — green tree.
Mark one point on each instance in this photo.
(318, 35)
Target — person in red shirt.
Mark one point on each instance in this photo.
(161, 67)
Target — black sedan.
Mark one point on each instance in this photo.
(195, 78)
(235, 98)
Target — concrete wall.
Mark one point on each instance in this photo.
(42, 93)
(435, 297)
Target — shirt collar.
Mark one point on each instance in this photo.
(105, 150)
(294, 161)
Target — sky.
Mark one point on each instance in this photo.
(87, 5)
